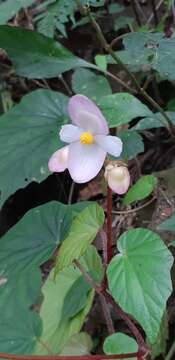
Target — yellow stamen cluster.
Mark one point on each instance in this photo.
(86, 138)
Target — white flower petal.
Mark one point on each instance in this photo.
(59, 160)
(70, 133)
(111, 144)
(91, 123)
(80, 108)
(85, 161)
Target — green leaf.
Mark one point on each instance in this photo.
(23, 249)
(119, 344)
(9, 8)
(101, 62)
(19, 334)
(18, 290)
(20, 328)
(56, 330)
(132, 144)
(30, 127)
(76, 298)
(141, 189)
(151, 50)
(168, 224)
(121, 108)
(82, 232)
(57, 13)
(47, 24)
(139, 278)
(122, 22)
(36, 56)
(171, 105)
(79, 344)
(160, 346)
(88, 83)
(155, 121)
(33, 240)
(95, 3)
(115, 8)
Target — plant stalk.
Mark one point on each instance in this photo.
(65, 357)
(142, 348)
(109, 225)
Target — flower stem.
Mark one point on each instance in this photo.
(107, 314)
(109, 225)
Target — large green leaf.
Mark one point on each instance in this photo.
(35, 55)
(139, 278)
(32, 241)
(88, 83)
(82, 232)
(119, 343)
(132, 144)
(20, 327)
(141, 189)
(168, 224)
(56, 329)
(121, 108)
(28, 137)
(9, 8)
(19, 334)
(19, 290)
(23, 249)
(151, 49)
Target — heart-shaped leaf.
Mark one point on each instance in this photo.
(32, 241)
(23, 249)
(139, 278)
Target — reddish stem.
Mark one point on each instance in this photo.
(101, 290)
(57, 357)
(109, 225)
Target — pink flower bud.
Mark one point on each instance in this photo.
(118, 178)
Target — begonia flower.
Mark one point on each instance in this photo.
(88, 141)
(118, 178)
